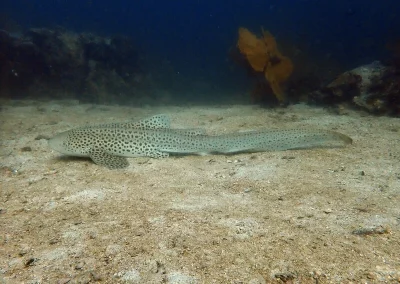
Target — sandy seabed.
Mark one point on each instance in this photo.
(306, 216)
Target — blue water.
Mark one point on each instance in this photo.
(194, 37)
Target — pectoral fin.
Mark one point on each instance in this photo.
(102, 158)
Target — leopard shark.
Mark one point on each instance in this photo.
(111, 144)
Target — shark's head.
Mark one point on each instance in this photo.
(64, 144)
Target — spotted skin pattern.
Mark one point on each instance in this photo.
(110, 144)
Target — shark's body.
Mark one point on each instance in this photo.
(110, 144)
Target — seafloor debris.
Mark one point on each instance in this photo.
(366, 231)
(50, 62)
(374, 87)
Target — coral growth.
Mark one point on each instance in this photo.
(373, 87)
(263, 56)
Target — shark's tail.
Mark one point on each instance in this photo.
(275, 140)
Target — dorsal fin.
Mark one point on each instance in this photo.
(160, 121)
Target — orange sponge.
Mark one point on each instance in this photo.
(263, 56)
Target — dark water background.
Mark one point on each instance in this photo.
(190, 40)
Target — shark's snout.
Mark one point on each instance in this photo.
(57, 143)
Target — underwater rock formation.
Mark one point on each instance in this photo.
(44, 62)
(374, 87)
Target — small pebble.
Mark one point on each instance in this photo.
(24, 250)
(79, 266)
(50, 172)
(41, 136)
(285, 277)
(64, 281)
(211, 161)
(371, 231)
(96, 276)
(54, 241)
(370, 275)
(288, 157)
(31, 261)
